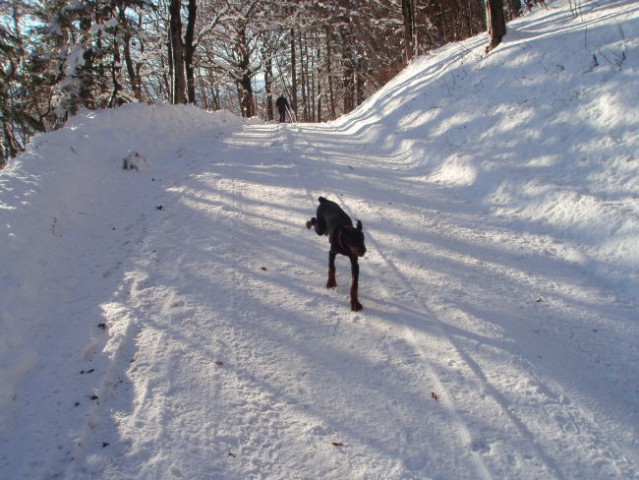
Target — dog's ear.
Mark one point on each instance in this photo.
(359, 226)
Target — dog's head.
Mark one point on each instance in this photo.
(354, 240)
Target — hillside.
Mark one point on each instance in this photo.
(171, 320)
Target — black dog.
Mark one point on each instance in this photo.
(345, 239)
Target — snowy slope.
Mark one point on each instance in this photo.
(171, 321)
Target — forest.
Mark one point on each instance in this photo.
(325, 56)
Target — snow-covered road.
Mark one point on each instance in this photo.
(233, 361)
(172, 321)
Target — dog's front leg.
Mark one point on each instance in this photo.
(331, 283)
(355, 305)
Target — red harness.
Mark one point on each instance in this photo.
(340, 237)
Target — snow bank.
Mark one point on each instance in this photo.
(59, 197)
(542, 132)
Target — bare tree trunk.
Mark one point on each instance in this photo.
(116, 67)
(176, 51)
(244, 84)
(348, 69)
(293, 75)
(304, 75)
(515, 7)
(245, 91)
(136, 83)
(443, 22)
(268, 83)
(189, 51)
(320, 94)
(329, 74)
(11, 146)
(360, 81)
(317, 82)
(496, 22)
(410, 40)
(310, 74)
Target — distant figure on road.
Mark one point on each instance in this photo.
(282, 105)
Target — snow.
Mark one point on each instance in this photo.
(170, 320)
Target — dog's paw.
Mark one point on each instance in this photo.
(311, 223)
(356, 306)
(331, 283)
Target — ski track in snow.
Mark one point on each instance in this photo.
(512, 431)
(173, 322)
